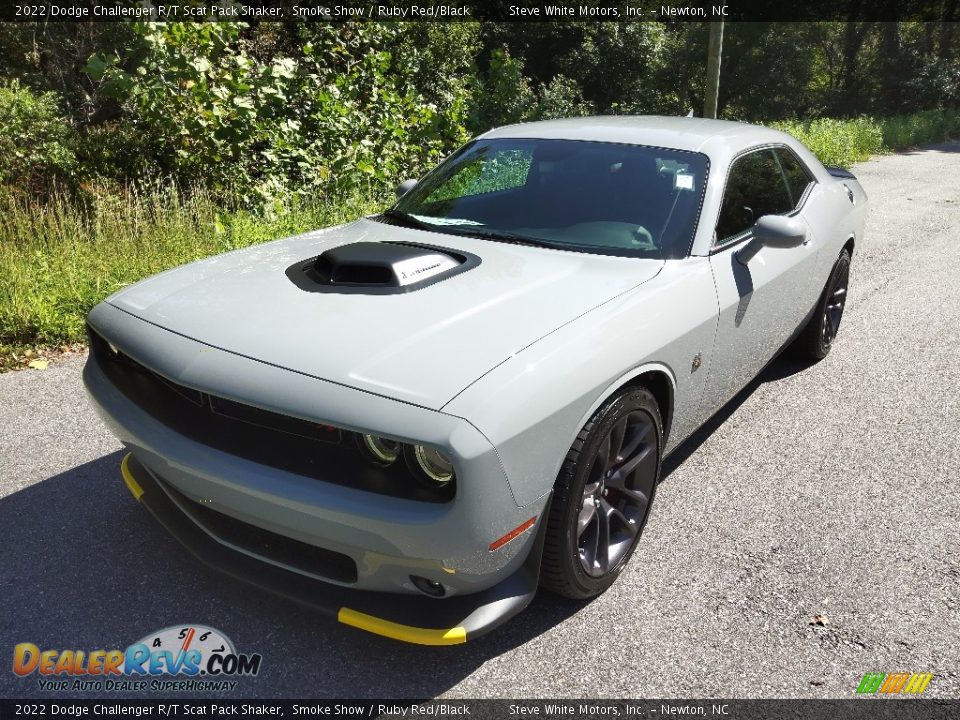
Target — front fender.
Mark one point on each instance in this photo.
(532, 406)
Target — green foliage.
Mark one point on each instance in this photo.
(561, 98)
(929, 126)
(767, 50)
(345, 113)
(844, 142)
(506, 96)
(35, 140)
(837, 142)
(619, 66)
(266, 110)
(59, 259)
(610, 65)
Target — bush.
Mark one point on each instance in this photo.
(844, 142)
(35, 140)
(929, 126)
(343, 113)
(837, 142)
(561, 98)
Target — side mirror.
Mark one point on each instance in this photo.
(405, 187)
(776, 231)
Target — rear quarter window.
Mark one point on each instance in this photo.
(796, 174)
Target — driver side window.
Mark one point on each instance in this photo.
(755, 187)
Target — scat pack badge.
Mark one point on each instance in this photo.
(185, 652)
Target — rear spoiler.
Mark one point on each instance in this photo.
(838, 172)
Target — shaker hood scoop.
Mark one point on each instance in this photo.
(379, 268)
(422, 346)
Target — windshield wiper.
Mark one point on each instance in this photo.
(507, 236)
(407, 219)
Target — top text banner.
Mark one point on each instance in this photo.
(490, 11)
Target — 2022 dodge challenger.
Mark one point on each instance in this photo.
(415, 419)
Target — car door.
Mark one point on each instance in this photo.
(761, 302)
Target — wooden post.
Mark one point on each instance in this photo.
(714, 51)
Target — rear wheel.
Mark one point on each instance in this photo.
(817, 337)
(602, 496)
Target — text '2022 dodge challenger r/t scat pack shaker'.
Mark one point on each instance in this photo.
(413, 420)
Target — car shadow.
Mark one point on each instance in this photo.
(85, 567)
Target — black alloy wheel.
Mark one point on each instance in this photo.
(836, 299)
(603, 495)
(817, 337)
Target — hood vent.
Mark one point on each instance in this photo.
(379, 268)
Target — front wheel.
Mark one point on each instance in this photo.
(817, 337)
(602, 496)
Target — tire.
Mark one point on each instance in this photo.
(816, 339)
(594, 499)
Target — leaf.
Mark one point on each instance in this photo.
(821, 620)
(95, 68)
(39, 364)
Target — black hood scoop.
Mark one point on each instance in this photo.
(379, 268)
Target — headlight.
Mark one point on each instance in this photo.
(429, 465)
(432, 469)
(381, 451)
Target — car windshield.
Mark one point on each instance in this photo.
(569, 194)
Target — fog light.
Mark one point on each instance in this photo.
(428, 587)
(380, 450)
(432, 467)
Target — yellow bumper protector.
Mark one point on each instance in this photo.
(406, 633)
(131, 482)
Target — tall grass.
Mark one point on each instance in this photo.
(929, 126)
(61, 257)
(844, 142)
(837, 142)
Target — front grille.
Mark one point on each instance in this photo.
(266, 544)
(287, 443)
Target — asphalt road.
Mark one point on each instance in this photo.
(827, 490)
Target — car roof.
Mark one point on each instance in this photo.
(681, 133)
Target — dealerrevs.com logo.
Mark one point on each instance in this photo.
(198, 657)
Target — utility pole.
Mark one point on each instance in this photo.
(714, 50)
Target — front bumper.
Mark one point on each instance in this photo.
(325, 539)
(405, 617)
(388, 538)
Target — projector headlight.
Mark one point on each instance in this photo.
(426, 472)
(381, 451)
(429, 465)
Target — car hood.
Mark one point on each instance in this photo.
(421, 347)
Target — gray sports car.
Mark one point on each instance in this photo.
(415, 419)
